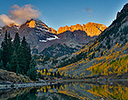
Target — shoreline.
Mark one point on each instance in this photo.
(38, 84)
(23, 85)
(91, 80)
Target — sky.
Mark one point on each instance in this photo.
(57, 13)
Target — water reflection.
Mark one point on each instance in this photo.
(12, 93)
(73, 91)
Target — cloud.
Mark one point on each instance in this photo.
(19, 15)
(88, 10)
(6, 20)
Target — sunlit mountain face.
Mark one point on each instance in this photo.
(92, 29)
(35, 31)
(40, 36)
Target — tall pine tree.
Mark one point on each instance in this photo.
(21, 58)
(1, 64)
(16, 42)
(1, 54)
(32, 71)
(7, 48)
(16, 56)
(27, 52)
(10, 47)
(14, 62)
(8, 66)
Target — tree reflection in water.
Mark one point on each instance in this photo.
(75, 91)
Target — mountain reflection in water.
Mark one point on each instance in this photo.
(69, 91)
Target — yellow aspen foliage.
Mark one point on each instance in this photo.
(44, 90)
(53, 74)
(38, 90)
(38, 71)
(41, 72)
(48, 74)
(116, 45)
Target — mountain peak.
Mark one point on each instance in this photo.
(38, 24)
(123, 11)
(92, 29)
(31, 24)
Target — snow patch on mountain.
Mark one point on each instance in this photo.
(42, 29)
(49, 39)
(42, 40)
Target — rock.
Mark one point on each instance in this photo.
(92, 29)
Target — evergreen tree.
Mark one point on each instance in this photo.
(1, 64)
(58, 75)
(55, 74)
(46, 71)
(17, 69)
(51, 74)
(16, 42)
(21, 60)
(24, 43)
(7, 49)
(1, 54)
(32, 71)
(14, 62)
(16, 57)
(39, 75)
(10, 47)
(8, 66)
(26, 51)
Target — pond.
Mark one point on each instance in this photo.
(70, 91)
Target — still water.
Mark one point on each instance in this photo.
(69, 91)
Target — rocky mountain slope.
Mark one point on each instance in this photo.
(34, 30)
(92, 29)
(45, 41)
(40, 36)
(107, 55)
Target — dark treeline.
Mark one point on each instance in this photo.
(16, 56)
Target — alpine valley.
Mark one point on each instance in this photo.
(49, 46)
(90, 50)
